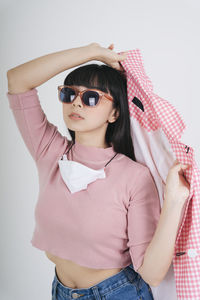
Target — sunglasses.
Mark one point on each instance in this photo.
(89, 97)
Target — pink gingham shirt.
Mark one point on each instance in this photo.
(156, 132)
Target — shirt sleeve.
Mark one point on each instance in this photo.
(39, 135)
(143, 216)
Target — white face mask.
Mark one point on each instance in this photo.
(77, 176)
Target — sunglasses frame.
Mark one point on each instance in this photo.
(77, 93)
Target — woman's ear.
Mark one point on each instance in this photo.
(114, 116)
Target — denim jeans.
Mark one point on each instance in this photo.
(125, 285)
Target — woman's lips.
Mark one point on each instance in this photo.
(75, 117)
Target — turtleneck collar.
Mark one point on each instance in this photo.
(91, 153)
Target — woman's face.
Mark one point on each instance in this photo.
(93, 117)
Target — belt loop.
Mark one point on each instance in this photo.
(96, 293)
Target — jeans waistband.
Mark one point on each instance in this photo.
(105, 286)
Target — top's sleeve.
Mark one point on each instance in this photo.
(38, 133)
(143, 216)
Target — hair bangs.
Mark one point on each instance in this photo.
(91, 76)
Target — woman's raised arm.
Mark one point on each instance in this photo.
(37, 71)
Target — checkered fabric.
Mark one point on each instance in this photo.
(152, 114)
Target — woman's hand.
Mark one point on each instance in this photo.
(177, 187)
(108, 56)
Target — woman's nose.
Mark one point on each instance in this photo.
(77, 101)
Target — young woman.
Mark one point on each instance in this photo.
(98, 208)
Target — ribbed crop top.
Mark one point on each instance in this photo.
(108, 225)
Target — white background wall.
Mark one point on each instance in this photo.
(167, 32)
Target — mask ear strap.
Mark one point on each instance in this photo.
(110, 160)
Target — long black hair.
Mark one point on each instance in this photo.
(113, 81)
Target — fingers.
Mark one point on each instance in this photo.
(111, 46)
(179, 167)
(117, 66)
(121, 56)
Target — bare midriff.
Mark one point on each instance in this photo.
(75, 276)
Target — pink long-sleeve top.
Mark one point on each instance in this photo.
(109, 224)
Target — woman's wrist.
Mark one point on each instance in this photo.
(173, 205)
(93, 51)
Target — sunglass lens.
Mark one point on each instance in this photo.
(90, 98)
(67, 95)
